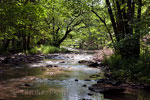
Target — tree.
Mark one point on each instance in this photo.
(18, 23)
(123, 15)
(62, 18)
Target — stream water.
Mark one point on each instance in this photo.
(69, 81)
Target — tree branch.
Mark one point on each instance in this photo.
(103, 21)
(81, 27)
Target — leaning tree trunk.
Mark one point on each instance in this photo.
(64, 37)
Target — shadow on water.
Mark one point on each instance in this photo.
(18, 72)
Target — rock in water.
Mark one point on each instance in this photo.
(89, 63)
(84, 85)
(107, 81)
(49, 65)
(106, 88)
(87, 80)
(90, 94)
(55, 66)
(62, 62)
(27, 84)
(6, 60)
(94, 64)
(84, 62)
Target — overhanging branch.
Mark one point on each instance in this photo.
(103, 21)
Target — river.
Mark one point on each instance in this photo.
(66, 80)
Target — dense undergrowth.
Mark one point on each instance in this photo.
(131, 69)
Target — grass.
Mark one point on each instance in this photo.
(47, 49)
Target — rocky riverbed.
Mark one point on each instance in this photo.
(60, 77)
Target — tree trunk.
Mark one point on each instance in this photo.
(28, 43)
(13, 46)
(64, 37)
(129, 43)
(6, 44)
(24, 43)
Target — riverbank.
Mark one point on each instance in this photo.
(114, 82)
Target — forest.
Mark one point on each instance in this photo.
(114, 33)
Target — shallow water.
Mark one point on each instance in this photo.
(65, 88)
(70, 85)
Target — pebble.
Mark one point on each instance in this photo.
(90, 94)
(27, 84)
(84, 85)
(87, 80)
(62, 62)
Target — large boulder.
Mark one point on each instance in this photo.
(6, 60)
(85, 62)
(89, 63)
(106, 88)
(111, 82)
